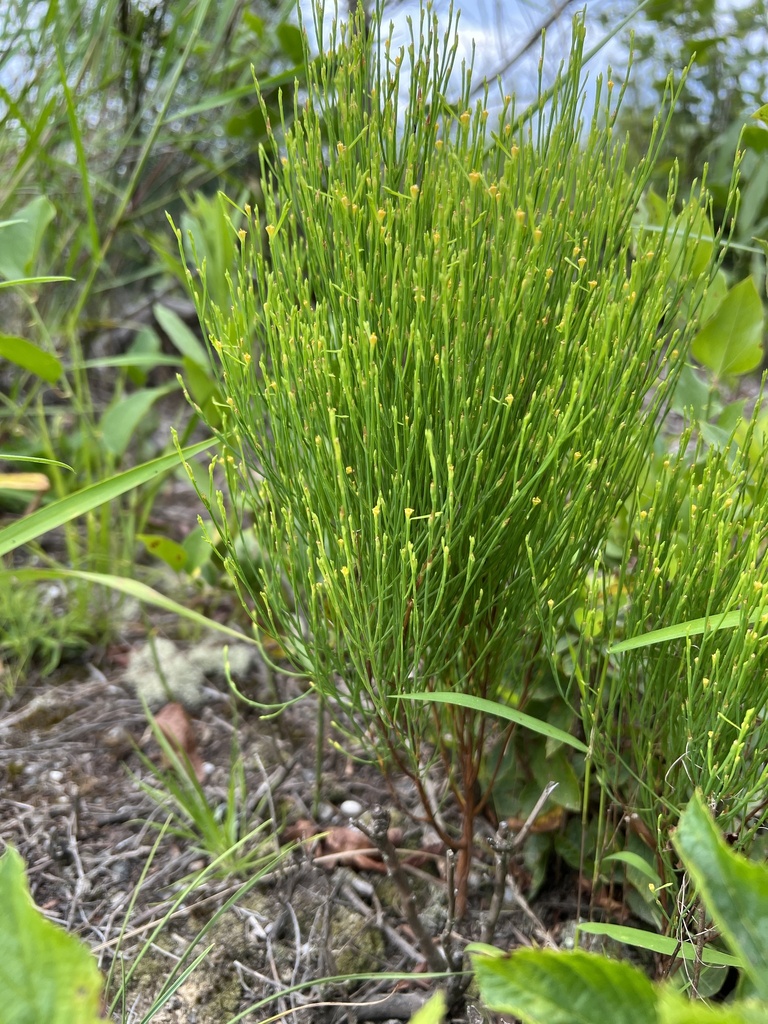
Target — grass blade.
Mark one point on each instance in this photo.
(132, 588)
(490, 707)
(63, 511)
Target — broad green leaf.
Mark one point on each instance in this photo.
(557, 767)
(731, 341)
(732, 416)
(145, 351)
(254, 23)
(197, 550)
(20, 239)
(762, 114)
(182, 338)
(30, 357)
(121, 420)
(734, 890)
(489, 707)
(130, 587)
(700, 241)
(676, 1009)
(45, 974)
(634, 860)
(203, 389)
(290, 38)
(714, 296)
(542, 986)
(691, 394)
(164, 548)
(715, 436)
(74, 505)
(433, 1011)
(753, 196)
(664, 944)
(656, 208)
(754, 137)
(693, 627)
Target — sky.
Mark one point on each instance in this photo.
(501, 28)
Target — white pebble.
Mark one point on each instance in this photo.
(324, 812)
(351, 808)
(56, 775)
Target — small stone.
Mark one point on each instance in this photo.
(325, 812)
(118, 740)
(351, 808)
(56, 775)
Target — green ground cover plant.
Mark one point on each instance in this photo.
(666, 714)
(236, 835)
(444, 366)
(541, 986)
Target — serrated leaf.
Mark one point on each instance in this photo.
(734, 890)
(29, 357)
(45, 974)
(549, 987)
(730, 343)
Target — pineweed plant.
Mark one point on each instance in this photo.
(447, 356)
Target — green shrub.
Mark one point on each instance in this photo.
(444, 364)
(683, 707)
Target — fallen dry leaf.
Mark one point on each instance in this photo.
(342, 845)
(175, 724)
(300, 831)
(346, 844)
